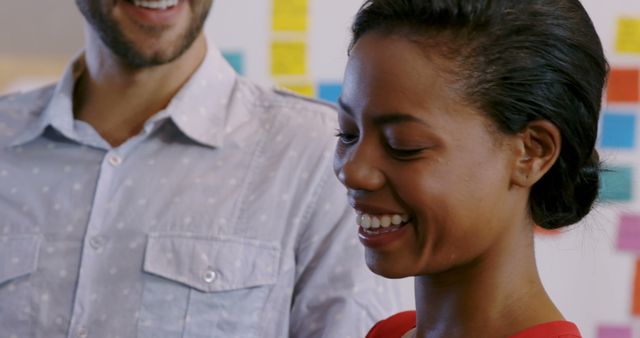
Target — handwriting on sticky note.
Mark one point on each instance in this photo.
(628, 35)
(288, 58)
(290, 15)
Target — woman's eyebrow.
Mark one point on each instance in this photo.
(384, 119)
(396, 118)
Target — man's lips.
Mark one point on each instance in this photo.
(154, 13)
(157, 5)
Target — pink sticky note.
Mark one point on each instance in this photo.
(629, 233)
(606, 331)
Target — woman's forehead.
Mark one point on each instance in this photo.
(387, 73)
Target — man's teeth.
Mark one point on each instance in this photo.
(368, 221)
(162, 4)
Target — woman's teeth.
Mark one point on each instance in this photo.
(162, 4)
(368, 221)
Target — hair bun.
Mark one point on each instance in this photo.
(574, 202)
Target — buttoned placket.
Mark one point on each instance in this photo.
(93, 245)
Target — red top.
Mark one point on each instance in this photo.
(399, 324)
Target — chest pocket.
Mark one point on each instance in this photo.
(18, 259)
(206, 287)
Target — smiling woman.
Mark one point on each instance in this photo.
(463, 124)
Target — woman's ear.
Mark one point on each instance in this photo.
(538, 148)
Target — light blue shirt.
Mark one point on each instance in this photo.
(222, 218)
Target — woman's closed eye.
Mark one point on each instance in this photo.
(403, 153)
(346, 138)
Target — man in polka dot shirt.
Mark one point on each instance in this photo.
(153, 193)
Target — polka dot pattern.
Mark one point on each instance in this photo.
(235, 183)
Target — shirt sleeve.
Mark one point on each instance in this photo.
(335, 293)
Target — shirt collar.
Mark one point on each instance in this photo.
(58, 113)
(199, 109)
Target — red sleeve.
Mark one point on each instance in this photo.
(557, 329)
(394, 326)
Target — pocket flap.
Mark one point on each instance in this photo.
(18, 256)
(212, 264)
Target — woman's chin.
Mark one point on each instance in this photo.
(389, 270)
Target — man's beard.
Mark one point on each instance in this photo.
(114, 38)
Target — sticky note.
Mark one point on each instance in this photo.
(302, 88)
(629, 233)
(290, 15)
(623, 85)
(236, 60)
(628, 35)
(538, 230)
(329, 91)
(618, 130)
(288, 58)
(636, 291)
(607, 331)
(616, 184)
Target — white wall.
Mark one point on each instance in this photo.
(30, 27)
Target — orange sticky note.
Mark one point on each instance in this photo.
(538, 230)
(636, 291)
(623, 85)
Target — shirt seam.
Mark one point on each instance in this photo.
(313, 204)
(239, 212)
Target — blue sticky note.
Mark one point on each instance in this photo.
(616, 184)
(618, 130)
(329, 91)
(236, 60)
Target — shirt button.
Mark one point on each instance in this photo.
(115, 160)
(83, 333)
(209, 276)
(96, 242)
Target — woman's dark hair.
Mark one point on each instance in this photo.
(518, 61)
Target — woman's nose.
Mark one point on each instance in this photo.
(357, 169)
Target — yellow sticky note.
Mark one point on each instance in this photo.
(628, 39)
(306, 89)
(290, 15)
(288, 58)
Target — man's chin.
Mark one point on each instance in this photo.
(138, 59)
(137, 52)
